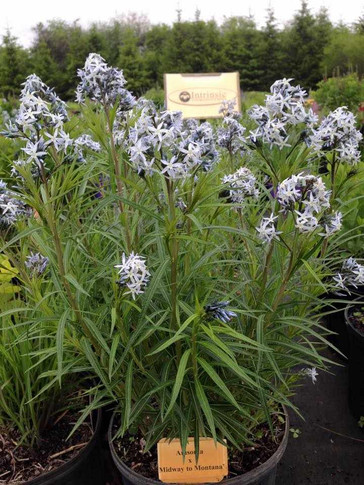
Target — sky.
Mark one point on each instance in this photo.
(21, 15)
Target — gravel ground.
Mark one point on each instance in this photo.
(323, 456)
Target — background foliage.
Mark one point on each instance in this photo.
(308, 48)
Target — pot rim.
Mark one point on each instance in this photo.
(244, 479)
(349, 325)
(70, 465)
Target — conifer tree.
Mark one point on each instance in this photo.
(270, 53)
(14, 66)
(132, 63)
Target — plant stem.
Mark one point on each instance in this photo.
(174, 260)
(119, 183)
(332, 198)
(194, 349)
(265, 271)
(174, 253)
(50, 219)
(286, 277)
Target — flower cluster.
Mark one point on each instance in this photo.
(40, 122)
(161, 142)
(133, 274)
(350, 276)
(331, 223)
(218, 311)
(40, 108)
(11, 208)
(85, 141)
(231, 134)
(283, 107)
(308, 189)
(306, 197)
(240, 185)
(36, 263)
(103, 84)
(201, 134)
(228, 107)
(310, 194)
(267, 230)
(337, 133)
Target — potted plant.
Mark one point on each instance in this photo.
(225, 290)
(44, 383)
(36, 414)
(348, 284)
(336, 142)
(354, 316)
(217, 282)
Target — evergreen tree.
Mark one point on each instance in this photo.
(56, 36)
(79, 48)
(194, 47)
(155, 54)
(241, 50)
(14, 66)
(43, 64)
(269, 52)
(359, 25)
(304, 44)
(132, 63)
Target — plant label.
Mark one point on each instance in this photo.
(211, 466)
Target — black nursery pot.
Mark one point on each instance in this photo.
(356, 367)
(264, 474)
(336, 321)
(85, 468)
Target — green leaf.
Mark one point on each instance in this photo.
(166, 344)
(230, 363)
(97, 334)
(205, 406)
(313, 274)
(217, 380)
(179, 379)
(128, 393)
(114, 347)
(177, 336)
(75, 283)
(95, 363)
(60, 342)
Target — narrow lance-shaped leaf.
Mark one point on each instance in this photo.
(179, 379)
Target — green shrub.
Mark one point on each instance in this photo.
(157, 96)
(340, 91)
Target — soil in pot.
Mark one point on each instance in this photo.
(355, 326)
(20, 464)
(129, 449)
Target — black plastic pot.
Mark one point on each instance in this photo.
(264, 474)
(85, 468)
(335, 321)
(356, 367)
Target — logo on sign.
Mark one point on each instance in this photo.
(202, 96)
(185, 96)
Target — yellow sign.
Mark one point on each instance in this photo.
(201, 95)
(212, 464)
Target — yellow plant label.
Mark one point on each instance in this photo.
(211, 466)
